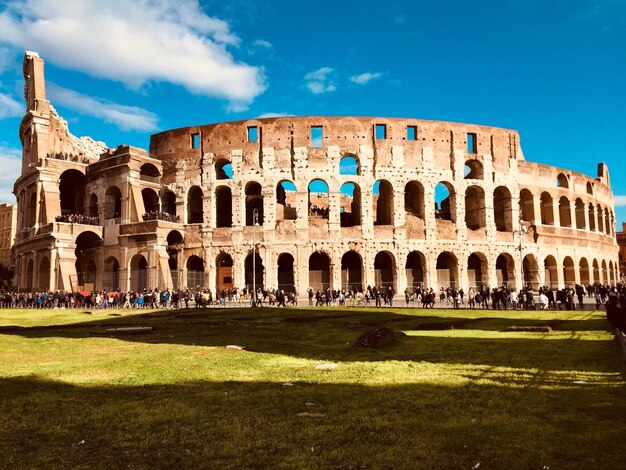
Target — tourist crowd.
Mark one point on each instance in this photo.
(157, 215)
(77, 219)
(316, 211)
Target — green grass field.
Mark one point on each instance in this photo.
(72, 397)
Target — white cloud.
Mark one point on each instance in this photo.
(365, 78)
(9, 107)
(11, 164)
(320, 81)
(262, 43)
(620, 201)
(127, 118)
(274, 115)
(135, 42)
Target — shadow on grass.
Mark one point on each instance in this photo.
(330, 335)
(47, 424)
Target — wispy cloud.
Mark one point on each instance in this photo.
(9, 107)
(262, 43)
(620, 201)
(127, 118)
(320, 81)
(274, 115)
(136, 42)
(364, 78)
(11, 164)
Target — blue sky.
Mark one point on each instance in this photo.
(121, 70)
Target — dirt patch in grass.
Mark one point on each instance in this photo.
(531, 328)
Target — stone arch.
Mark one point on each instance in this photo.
(112, 203)
(319, 271)
(111, 274)
(447, 270)
(318, 199)
(526, 205)
(350, 208)
(383, 202)
(286, 277)
(352, 271)
(503, 209)
(72, 185)
(254, 201)
(195, 212)
(385, 270)
(223, 207)
(258, 271)
(174, 237)
(473, 170)
(349, 165)
(445, 201)
(583, 271)
(29, 275)
(597, 277)
(195, 272)
(591, 212)
(607, 222)
(605, 273)
(600, 219)
(565, 212)
(416, 269)
(150, 200)
(223, 169)
(611, 273)
(551, 275)
(93, 205)
(579, 206)
(286, 200)
(477, 270)
(88, 246)
(589, 188)
(531, 271)
(32, 209)
(168, 202)
(224, 274)
(505, 270)
(44, 274)
(569, 272)
(547, 209)
(562, 181)
(149, 172)
(414, 199)
(138, 273)
(475, 213)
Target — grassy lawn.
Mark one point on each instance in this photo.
(455, 390)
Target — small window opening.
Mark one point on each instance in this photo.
(381, 131)
(195, 141)
(411, 132)
(317, 136)
(471, 143)
(253, 134)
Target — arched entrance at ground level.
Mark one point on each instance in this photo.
(172, 264)
(505, 270)
(223, 207)
(254, 201)
(72, 192)
(611, 273)
(551, 276)
(29, 275)
(174, 248)
(531, 272)
(352, 272)
(111, 274)
(319, 271)
(88, 245)
(44, 274)
(415, 269)
(195, 273)
(255, 267)
(605, 273)
(384, 270)
(477, 270)
(596, 271)
(583, 272)
(224, 276)
(447, 270)
(138, 273)
(569, 274)
(286, 279)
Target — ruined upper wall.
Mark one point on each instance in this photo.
(346, 133)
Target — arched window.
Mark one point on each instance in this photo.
(254, 201)
(149, 172)
(475, 214)
(383, 202)
(72, 192)
(473, 170)
(526, 206)
(194, 205)
(580, 214)
(223, 207)
(168, 202)
(349, 165)
(93, 205)
(565, 212)
(286, 201)
(112, 203)
(350, 205)
(591, 213)
(223, 169)
(547, 210)
(445, 205)
(150, 200)
(502, 209)
(562, 181)
(318, 199)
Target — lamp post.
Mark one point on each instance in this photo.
(255, 223)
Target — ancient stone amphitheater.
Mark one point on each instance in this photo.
(299, 202)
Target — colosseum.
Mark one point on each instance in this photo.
(302, 202)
